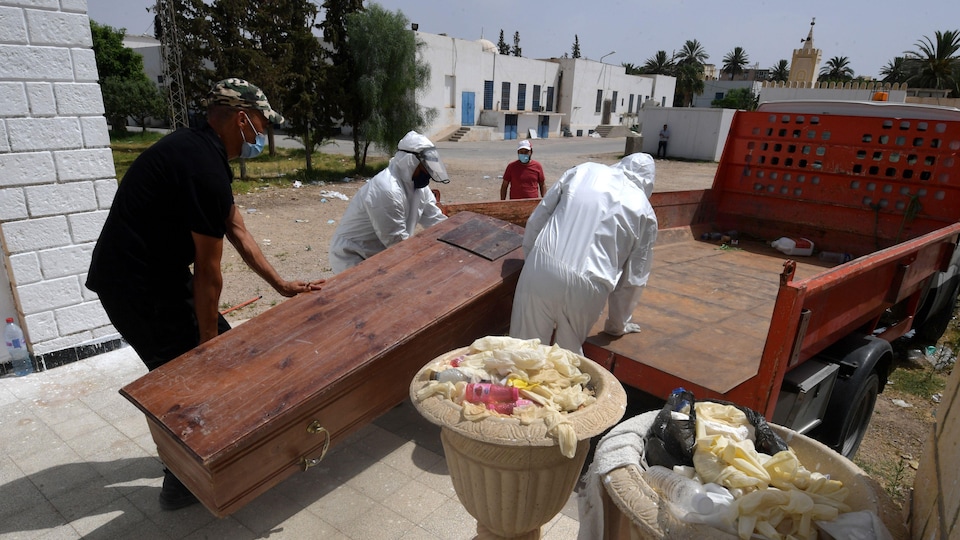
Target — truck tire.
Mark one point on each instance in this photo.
(933, 325)
(849, 415)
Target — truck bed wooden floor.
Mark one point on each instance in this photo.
(706, 311)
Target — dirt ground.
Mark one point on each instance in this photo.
(294, 227)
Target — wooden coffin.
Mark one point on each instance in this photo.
(237, 415)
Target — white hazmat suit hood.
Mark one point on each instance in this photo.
(640, 169)
(388, 208)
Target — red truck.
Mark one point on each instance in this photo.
(804, 341)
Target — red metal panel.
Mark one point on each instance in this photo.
(848, 169)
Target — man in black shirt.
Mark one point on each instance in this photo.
(173, 209)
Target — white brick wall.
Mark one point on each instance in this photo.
(57, 178)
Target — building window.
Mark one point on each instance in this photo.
(550, 98)
(521, 97)
(718, 95)
(487, 95)
(613, 102)
(599, 101)
(535, 99)
(630, 106)
(505, 96)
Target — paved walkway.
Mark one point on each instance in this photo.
(77, 461)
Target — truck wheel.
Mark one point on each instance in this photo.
(845, 425)
(936, 324)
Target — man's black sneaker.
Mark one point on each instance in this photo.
(174, 495)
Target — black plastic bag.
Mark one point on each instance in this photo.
(672, 440)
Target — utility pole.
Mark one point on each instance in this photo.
(170, 58)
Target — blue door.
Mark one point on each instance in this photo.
(543, 130)
(510, 126)
(467, 102)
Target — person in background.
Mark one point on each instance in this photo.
(524, 176)
(588, 242)
(389, 206)
(172, 210)
(664, 138)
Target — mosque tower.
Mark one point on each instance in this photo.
(806, 62)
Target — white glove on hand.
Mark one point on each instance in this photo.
(629, 328)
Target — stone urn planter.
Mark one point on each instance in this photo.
(513, 478)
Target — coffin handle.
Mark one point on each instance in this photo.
(316, 428)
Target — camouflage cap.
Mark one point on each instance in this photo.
(235, 92)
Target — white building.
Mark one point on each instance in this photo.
(471, 84)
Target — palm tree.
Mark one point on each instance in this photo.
(837, 69)
(689, 83)
(630, 69)
(935, 63)
(691, 53)
(658, 64)
(895, 71)
(734, 61)
(780, 72)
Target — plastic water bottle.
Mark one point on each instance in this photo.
(17, 348)
(834, 256)
(678, 489)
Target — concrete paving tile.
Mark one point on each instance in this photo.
(129, 474)
(437, 478)
(9, 471)
(132, 425)
(415, 501)
(419, 533)
(222, 528)
(451, 521)
(177, 523)
(408, 458)
(379, 524)
(561, 528)
(63, 532)
(18, 493)
(60, 479)
(104, 441)
(83, 499)
(117, 519)
(379, 481)
(379, 443)
(32, 521)
(81, 422)
(44, 452)
(341, 506)
(274, 514)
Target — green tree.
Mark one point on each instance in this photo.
(780, 72)
(631, 69)
(126, 89)
(658, 64)
(895, 71)
(502, 46)
(837, 69)
(689, 83)
(132, 97)
(692, 53)
(936, 63)
(738, 98)
(516, 44)
(734, 62)
(575, 53)
(192, 21)
(385, 54)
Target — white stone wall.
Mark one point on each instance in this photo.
(57, 178)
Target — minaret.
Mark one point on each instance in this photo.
(806, 61)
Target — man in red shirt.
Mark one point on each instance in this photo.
(524, 176)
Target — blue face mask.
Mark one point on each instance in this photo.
(524, 158)
(254, 149)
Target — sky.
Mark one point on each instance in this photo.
(869, 33)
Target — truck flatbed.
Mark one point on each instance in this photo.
(706, 311)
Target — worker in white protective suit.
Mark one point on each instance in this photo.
(389, 206)
(589, 241)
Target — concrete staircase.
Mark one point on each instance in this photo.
(459, 134)
(611, 130)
